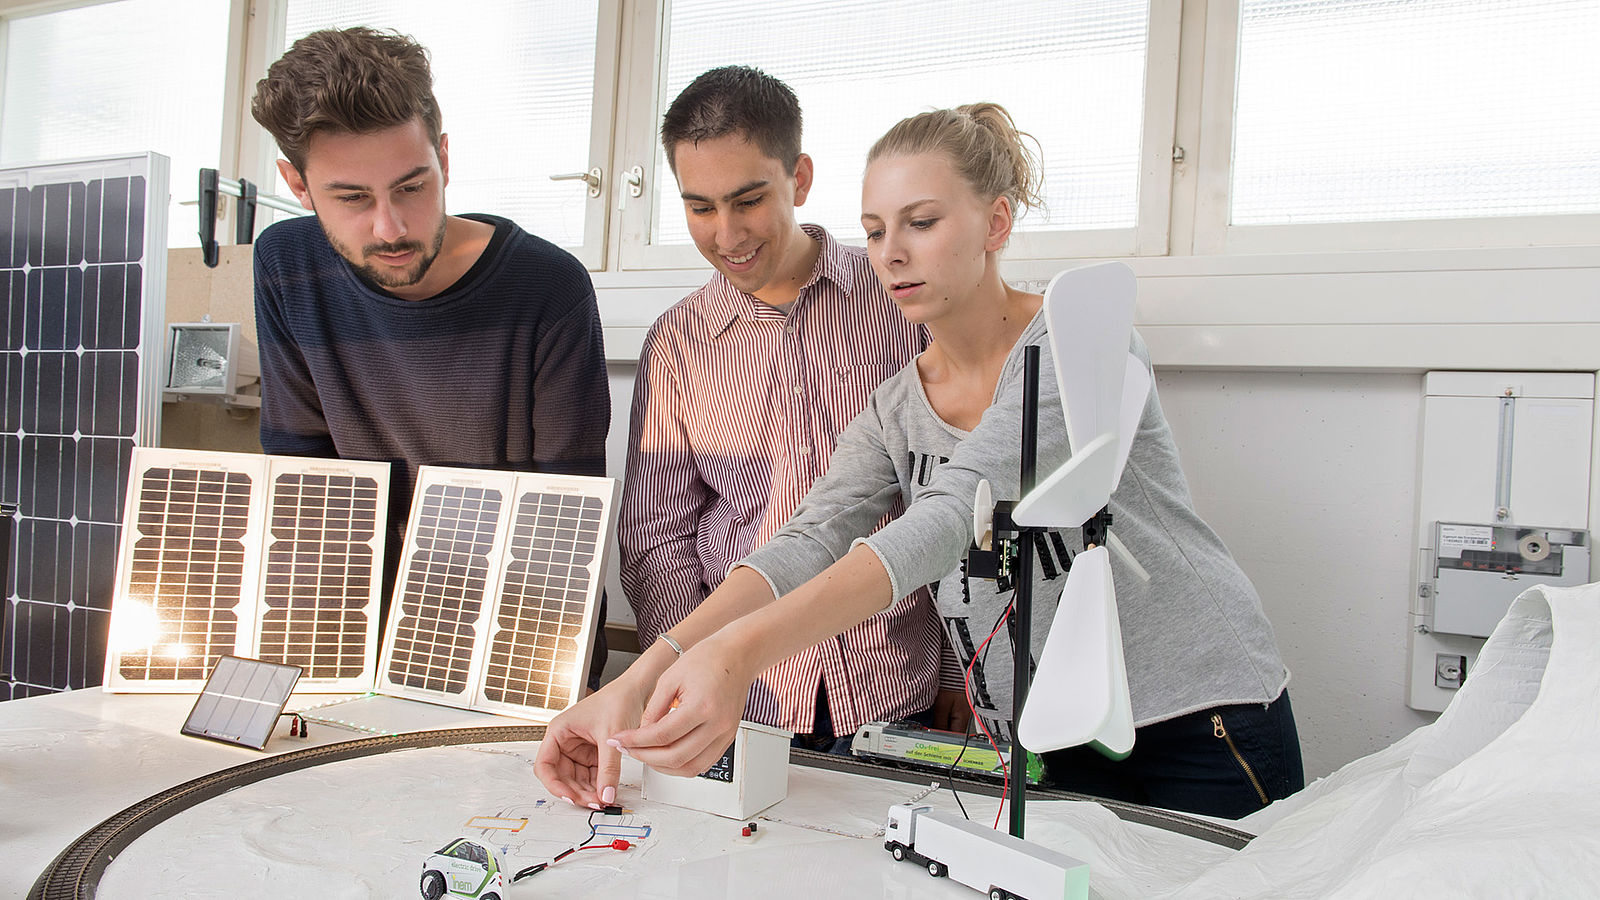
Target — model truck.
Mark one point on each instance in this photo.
(983, 859)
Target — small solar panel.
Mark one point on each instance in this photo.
(82, 278)
(499, 590)
(242, 701)
(277, 558)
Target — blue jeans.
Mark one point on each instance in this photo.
(1192, 764)
(823, 740)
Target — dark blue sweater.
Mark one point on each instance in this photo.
(503, 370)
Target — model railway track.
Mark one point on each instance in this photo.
(1166, 820)
(75, 873)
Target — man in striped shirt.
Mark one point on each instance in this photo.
(742, 390)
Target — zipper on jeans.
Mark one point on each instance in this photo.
(1221, 732)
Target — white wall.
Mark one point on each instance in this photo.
(1311, 481)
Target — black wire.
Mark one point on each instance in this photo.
(540, 867)
(966, 688)
(951, 775)
(593, 830)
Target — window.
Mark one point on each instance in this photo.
(516, 86)
(1073, 75)
(103, 81)
(1305, 124)
(1375, 110)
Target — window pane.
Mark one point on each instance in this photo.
(105, 80)
(1361, 110)
(1071, 74)
(515, 84)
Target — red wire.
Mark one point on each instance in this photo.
(1005, 789)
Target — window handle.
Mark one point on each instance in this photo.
(591, 178)
(634, 179)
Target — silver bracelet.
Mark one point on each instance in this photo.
(671, 642)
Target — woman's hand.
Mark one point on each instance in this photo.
(575, 762)
(694, 713)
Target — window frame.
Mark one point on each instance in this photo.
(639, 113)
(239, 14)
(1214, 233)
(1191, 70)
(262, 39)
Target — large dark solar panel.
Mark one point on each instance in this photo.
(500, 590)
(446, 581)
(82, 266)
(544, 622)
(322, 573)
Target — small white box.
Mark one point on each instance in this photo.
(751, 776)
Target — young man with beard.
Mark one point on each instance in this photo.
(390, 330)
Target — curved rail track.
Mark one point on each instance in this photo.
(75, 873)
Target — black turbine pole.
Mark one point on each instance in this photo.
(1022, 651)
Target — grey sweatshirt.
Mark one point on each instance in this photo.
(1194, 635)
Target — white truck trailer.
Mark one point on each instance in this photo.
(983, 859)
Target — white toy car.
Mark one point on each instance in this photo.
(463, 868)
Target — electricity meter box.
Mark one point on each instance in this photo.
(1479, 569)
(752, 775)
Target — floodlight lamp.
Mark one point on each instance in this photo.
(204, 361)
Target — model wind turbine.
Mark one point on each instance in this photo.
(1103, 389)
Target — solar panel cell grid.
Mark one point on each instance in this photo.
(188, 565)
(318, 581)
(535, 654)
(444, 588)
(72, 250)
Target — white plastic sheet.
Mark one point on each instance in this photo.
(1498, 798)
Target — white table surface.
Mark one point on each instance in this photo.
(361, 827)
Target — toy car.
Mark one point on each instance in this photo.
(463, 868)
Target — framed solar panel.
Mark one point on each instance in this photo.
(269, 557)
(498, 595)
(83, 278)
(241, 702)
(551, 574)
(189, 568)
(322, 573)
(448, 574)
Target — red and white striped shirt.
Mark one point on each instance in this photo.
(736, 409)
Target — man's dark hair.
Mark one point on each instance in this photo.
(355, 80)
(735, 100)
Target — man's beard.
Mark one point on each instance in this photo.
(387, 278)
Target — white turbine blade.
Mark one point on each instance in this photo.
(1126, 555)
(1089, 312)
(1135, 391)
(1080, 689)
(1074, 492)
